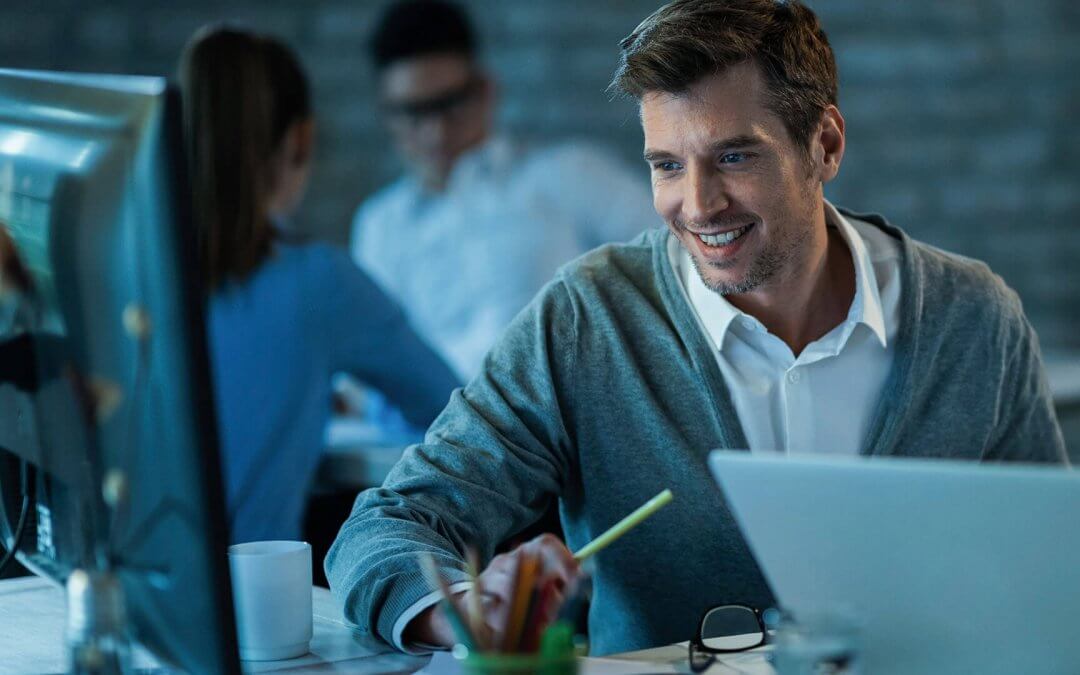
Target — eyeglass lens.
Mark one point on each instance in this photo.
(444, 104)
(731, 628)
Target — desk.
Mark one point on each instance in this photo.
(355, 467)
(1063, 373)
(659, 661)
(359, 455)
(32, 615)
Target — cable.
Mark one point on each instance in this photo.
(24, 514)
(10, 555)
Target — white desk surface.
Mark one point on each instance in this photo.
(32, 615)
(1063, 373)
(670, 660)
(358, 454)
(356, 466)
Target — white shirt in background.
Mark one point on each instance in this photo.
(824, 400)
(465, 261)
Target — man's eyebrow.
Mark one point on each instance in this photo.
(654, 155)
(736, 143)
(741, 142)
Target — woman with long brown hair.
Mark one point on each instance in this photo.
(284, 314)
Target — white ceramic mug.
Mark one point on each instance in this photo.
(271, 583)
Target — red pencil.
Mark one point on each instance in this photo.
(534, 627)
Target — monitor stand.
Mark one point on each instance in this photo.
(97, 636)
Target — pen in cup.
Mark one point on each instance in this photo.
(457, 622)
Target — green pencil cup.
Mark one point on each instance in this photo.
(483, 663)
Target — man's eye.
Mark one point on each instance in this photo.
(666, 167)
(733, 157)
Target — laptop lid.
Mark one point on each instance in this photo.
(949, 567)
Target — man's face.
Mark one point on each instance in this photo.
(437, 106)
(730, 182)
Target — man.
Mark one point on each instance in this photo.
(479, 223)
(761, 318)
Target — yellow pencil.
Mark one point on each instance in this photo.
(477, 623)
(625, 525)
(457, 623)
(523, 590)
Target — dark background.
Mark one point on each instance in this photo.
(959, 113)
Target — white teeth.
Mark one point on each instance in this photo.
(725, 238)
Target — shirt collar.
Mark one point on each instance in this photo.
(493, 155)
(717, 314)
(866, 307)
(479, 163)
(714, 312)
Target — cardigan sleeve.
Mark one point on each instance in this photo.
(489, 466)
(1027, 428)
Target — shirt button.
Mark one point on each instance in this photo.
(793, 377)
(748, 324)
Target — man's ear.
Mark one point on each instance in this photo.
(301, 141)
(829, 150)
(488, 92)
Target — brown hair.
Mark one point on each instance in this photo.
(686, 40)
(242, 92)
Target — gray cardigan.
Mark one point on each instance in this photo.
(604, 391)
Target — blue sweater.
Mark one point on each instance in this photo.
(275, 340)
(605, 391)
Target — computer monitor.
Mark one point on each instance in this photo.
(106, 413)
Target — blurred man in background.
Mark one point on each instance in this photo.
(478, 224)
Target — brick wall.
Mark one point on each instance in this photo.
(957, 111)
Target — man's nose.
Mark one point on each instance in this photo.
(433, 130)
(704, 195)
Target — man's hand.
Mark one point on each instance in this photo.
(494, 593)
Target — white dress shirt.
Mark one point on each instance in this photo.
(823, 400)
(463, 262)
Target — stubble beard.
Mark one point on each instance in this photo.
(775, 256)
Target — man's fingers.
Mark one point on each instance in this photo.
(504, 562)
(554, 547)
(498, 583)
(556, 559)
(556, 570)
(555, 601)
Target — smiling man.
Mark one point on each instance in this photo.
(761, 317)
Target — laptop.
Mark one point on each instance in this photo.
(948, 567)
